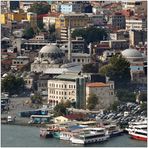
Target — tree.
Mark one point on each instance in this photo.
(39, 8)
(60, 109)
(142, 97)
(29, 33)
(92, 101)
(90, 34)
(67, 104)
(40, 25)
(36, 98)
(12, 84)
(52, 28)
(90, 68)
(114, 106)
(118, 70)
(125, 95)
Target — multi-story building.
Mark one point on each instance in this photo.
(137, 6)
(67, 87)
(116, 44)
(118, 20)
(19, 62)
(70, 7)
(25, 5)
(50, 19)
(136, 23)
(32, 18)
(14, 16)
(104, 92)
(76, 20)
(137, 36)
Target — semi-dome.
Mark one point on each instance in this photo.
(50, 49)
(131, 53)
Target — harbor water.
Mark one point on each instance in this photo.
(22, 136)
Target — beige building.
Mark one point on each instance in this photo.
(137, 36)
(81, 58)
(60, 119)
(104, 92)
(61, 91)
(20, 62)
(68, 86)
(136, 23)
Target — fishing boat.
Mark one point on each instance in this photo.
(139, 133)
(90, 135)
(46, 133)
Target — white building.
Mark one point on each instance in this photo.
(104, 92)
(81, 58)
(137, 24)
(67, 87)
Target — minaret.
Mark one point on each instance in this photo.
(69, 41)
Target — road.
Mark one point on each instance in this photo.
(18, 104)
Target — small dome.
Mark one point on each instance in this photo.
(50, 49)
(131, 53)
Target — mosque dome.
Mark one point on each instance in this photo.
(50, 49)
(131, 53)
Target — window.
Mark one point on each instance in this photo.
(78, 60)
(65, 93)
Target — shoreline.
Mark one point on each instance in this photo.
(23, 124)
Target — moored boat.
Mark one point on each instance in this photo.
(139, 134)
(90, 135)
(46, 133)
(113, 130)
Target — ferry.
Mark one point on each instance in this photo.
(113, 130)
(65, 135)
(133, 125)
(139, 133)
(90, 135)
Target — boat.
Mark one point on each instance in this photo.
(56, 134)
(133, 125)
(66, 135)
(113, 130)
(139, 133)
(90, 135)
(46, 133)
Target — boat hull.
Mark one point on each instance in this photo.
(56, 135)
(94, 140)
(137, 137)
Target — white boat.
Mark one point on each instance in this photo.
(90, 135)
(66, 135)
(133, 125)
(113, 130)
(139, 133)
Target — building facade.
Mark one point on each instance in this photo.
(67, 87)
(136, 24)
(118, 21)
(104, 92)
